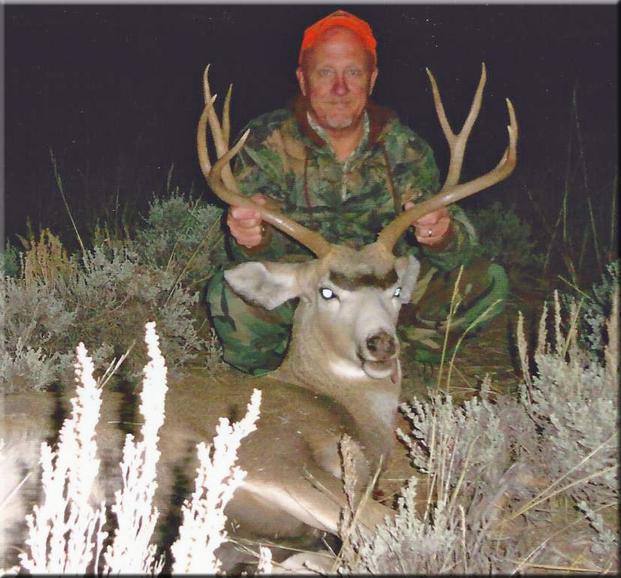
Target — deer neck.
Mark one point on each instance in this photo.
(372, 403)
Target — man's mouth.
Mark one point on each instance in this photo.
(341, 104)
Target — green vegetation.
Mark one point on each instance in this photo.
(505, 237)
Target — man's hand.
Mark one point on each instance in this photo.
(246, 224)
(434, 228)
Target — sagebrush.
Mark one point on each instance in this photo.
(103, 295)
(67, 529)
(512, 485)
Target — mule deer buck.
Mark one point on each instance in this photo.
(342, 372)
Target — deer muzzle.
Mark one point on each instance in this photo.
(379, 355)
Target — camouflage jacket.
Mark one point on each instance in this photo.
(350, 201)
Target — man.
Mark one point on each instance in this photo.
(340, 164)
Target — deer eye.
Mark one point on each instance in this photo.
(397, 292)
(326, 293)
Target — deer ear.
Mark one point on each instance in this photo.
(266, 284)
(407, 269)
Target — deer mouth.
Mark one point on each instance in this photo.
(382, 369)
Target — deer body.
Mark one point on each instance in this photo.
(342, 372)
(293, 487)
(288, 460)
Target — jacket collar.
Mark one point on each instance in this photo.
(379, 117)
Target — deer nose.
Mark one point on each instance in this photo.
(382, 345)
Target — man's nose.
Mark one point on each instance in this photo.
(340, 85)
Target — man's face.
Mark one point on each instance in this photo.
(337, 76)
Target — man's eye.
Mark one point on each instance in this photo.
(397, 292)
(326, 293)
(325, 72)
(355, 72)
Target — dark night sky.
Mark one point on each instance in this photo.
(115, 90)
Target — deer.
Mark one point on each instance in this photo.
(342, 369)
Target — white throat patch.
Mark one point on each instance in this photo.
(347, 369)
(384, 405)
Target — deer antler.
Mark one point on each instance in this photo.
(221, 179)
(451, 191)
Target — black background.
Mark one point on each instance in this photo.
(116, 90)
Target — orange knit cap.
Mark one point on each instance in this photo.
(346, 20)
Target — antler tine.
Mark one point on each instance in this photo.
(226, 116)
(456, 192)
(201, 138)
(220, 136)
(225, 187)
(457, 142)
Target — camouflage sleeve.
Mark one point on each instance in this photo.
(258, 168)
(416, 176)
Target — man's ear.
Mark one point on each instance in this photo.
(301, 80)
(374, 75)
(266, 284)
(407, 269)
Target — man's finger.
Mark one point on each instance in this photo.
(433, 217)
(432, 234)
(244, 213)
(259, 199)
(247, 223)
(248, 238)
(430, 219)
